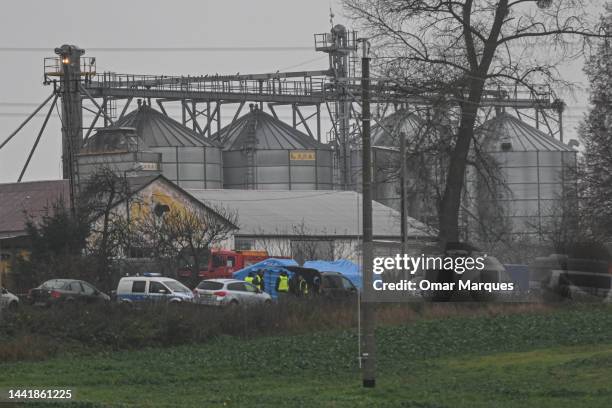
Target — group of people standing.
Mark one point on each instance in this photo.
(283, 285)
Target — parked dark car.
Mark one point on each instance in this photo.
(335, 285)
(328, 284)
(58, 291)
(583, 270)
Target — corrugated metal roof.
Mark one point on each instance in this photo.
(523, 137)
(262, 131)
(36, 197)
(154, 129)
(399, 121)
(328, 213)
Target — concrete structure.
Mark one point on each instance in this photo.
(261, 152)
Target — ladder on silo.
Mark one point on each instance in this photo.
(249, 149)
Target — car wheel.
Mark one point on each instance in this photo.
(13, 306)
(268, 302)
(233, 303)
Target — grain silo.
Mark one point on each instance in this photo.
(264, 153)
(146, 137)
(535, 171)
(386, 159)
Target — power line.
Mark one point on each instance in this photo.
(168, 49)
(303, 63)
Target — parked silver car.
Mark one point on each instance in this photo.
(8, 300)
(229, 292)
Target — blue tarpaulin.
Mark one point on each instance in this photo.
(271, 269)
(347, 268)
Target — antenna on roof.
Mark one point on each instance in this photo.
(331, 16)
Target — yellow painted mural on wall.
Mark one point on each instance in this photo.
(160, 199)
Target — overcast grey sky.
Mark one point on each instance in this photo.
(141, 23)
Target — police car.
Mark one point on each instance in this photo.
(152, 288)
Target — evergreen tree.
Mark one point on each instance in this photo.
(596, 134)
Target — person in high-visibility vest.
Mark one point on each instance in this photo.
(261, 282)
(282, 284)
(250, 278)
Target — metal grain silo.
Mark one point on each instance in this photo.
(263, 153)
(536, 171)
(183, 156)
(386, 159)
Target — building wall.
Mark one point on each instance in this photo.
(120, 163)
(160, 192)
(342, 248)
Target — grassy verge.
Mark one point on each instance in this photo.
(556, 359)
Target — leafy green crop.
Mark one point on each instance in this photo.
(559, 359)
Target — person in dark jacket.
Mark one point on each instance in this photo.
(261, 281)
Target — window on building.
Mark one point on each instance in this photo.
(244, 244)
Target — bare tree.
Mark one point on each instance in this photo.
(168, 234)
(302, 243)
(460, 50)
(97, 202)
(195, 232)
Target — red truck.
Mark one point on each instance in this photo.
(221, 263)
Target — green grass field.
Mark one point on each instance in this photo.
(556, 359)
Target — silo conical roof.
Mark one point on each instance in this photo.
(399, 121)
(159, 130)
(522, 137)
(260, 130)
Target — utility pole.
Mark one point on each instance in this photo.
(403, 200)
(368, 310)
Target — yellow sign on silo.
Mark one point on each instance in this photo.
(307, 155)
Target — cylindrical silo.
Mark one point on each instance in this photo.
(184, 157)
(264, 153)
(386, 159)
(536, 172)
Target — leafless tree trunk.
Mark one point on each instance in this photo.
(195, 233)
(98, 199)
(459, 50)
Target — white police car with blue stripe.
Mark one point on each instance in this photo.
(152, 288)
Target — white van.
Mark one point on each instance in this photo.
(149, 288)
